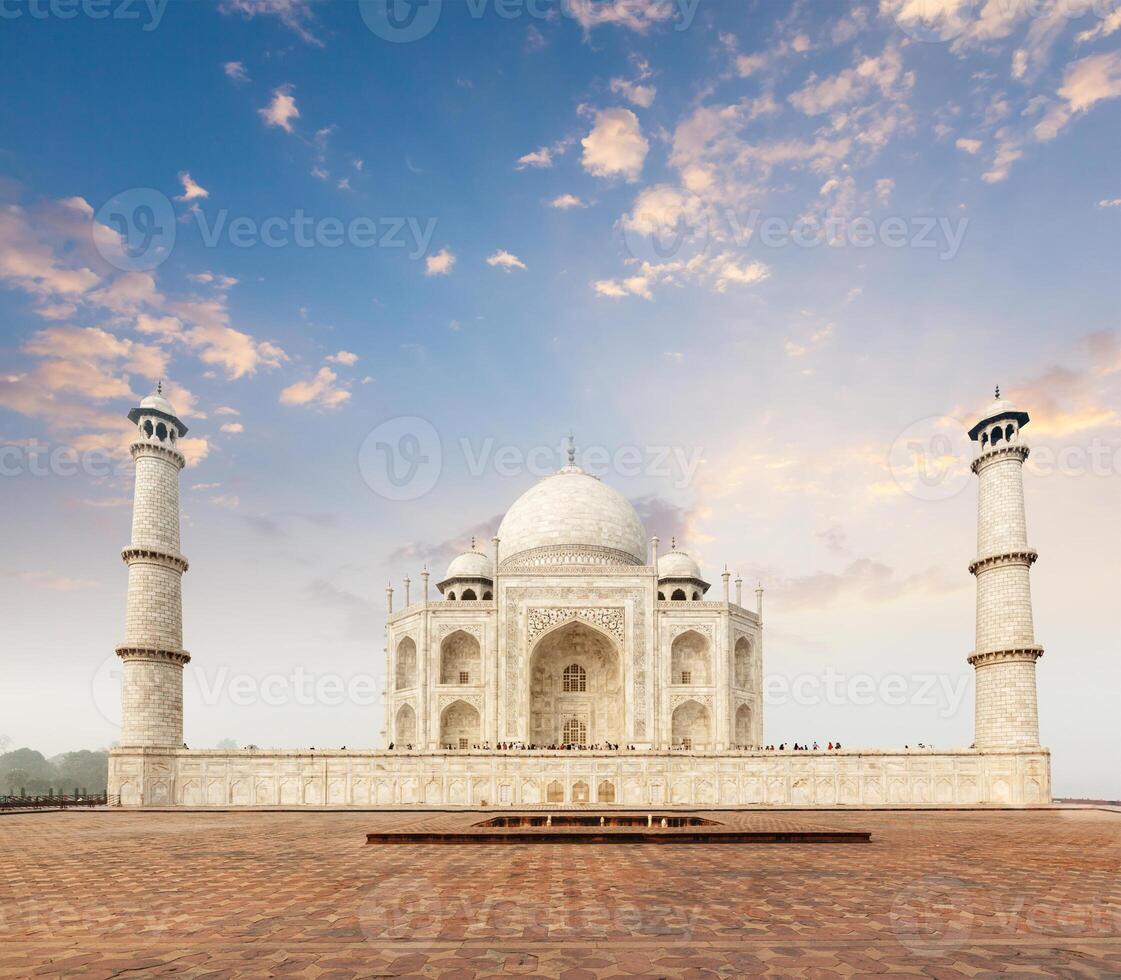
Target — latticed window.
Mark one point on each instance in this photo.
(575, 678)
(463, 743)
(464, 677)
(575, 732)
(686, 743)
(686, 677)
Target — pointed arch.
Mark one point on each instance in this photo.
(575, 673)
(404, 727)
(459, 725)
(460, 655)
(744, 735)
(405, 674)
(692, 726)
(690, 659)
(742, 663)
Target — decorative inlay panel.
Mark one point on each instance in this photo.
(475, 700)
(677, 629)
(568, 555)
(676, 700)
(474, 629)
(541, 620)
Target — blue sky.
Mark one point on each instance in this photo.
(572, 205)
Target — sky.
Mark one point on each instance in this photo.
(765, 261)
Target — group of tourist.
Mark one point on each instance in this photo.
(614, 747)
(782, 747)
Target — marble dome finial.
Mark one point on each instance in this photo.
(571, 449)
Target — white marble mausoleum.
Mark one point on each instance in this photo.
(574, 662)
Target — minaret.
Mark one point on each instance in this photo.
(1005, 652)
(152, 653)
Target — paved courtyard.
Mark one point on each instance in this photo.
(300, 894)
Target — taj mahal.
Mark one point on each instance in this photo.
(577, 661)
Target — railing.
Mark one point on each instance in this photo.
(54, 802)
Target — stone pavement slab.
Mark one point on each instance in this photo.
(271, 894)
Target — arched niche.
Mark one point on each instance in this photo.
(743, 725)
(459, 725)
(460, 659)
(404, 727)
(741, 668)
(405, 675)
(692, 726)
(690, 659)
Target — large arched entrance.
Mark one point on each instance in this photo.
(576, 688)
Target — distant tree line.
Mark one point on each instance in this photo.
(28, 771)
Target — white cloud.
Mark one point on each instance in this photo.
(282, 109)
(191, 189)
(226, 410)
(970, 146)
(440, 264)
(1091, 80)
(749, 64)
(540, 158)
(505, 260)
(640, 95)
(720, 271)
(320, 390)
(1103, 28)
(1009, 149)
(730, 272)
(636, 15)
(296, 15)
(801, 348)
(236, 70)
(615, 147)
(1086, 82)
(882, 74)
(565, 201)
(1113, 202)
(233, 428)
(344, 357)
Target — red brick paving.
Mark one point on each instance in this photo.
(935, 894)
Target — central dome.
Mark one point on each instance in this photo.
(571, 518)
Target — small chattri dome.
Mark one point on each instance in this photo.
(677, 564)
(156, 404)
(470, 564)
(157, 401)
(1000, 408)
